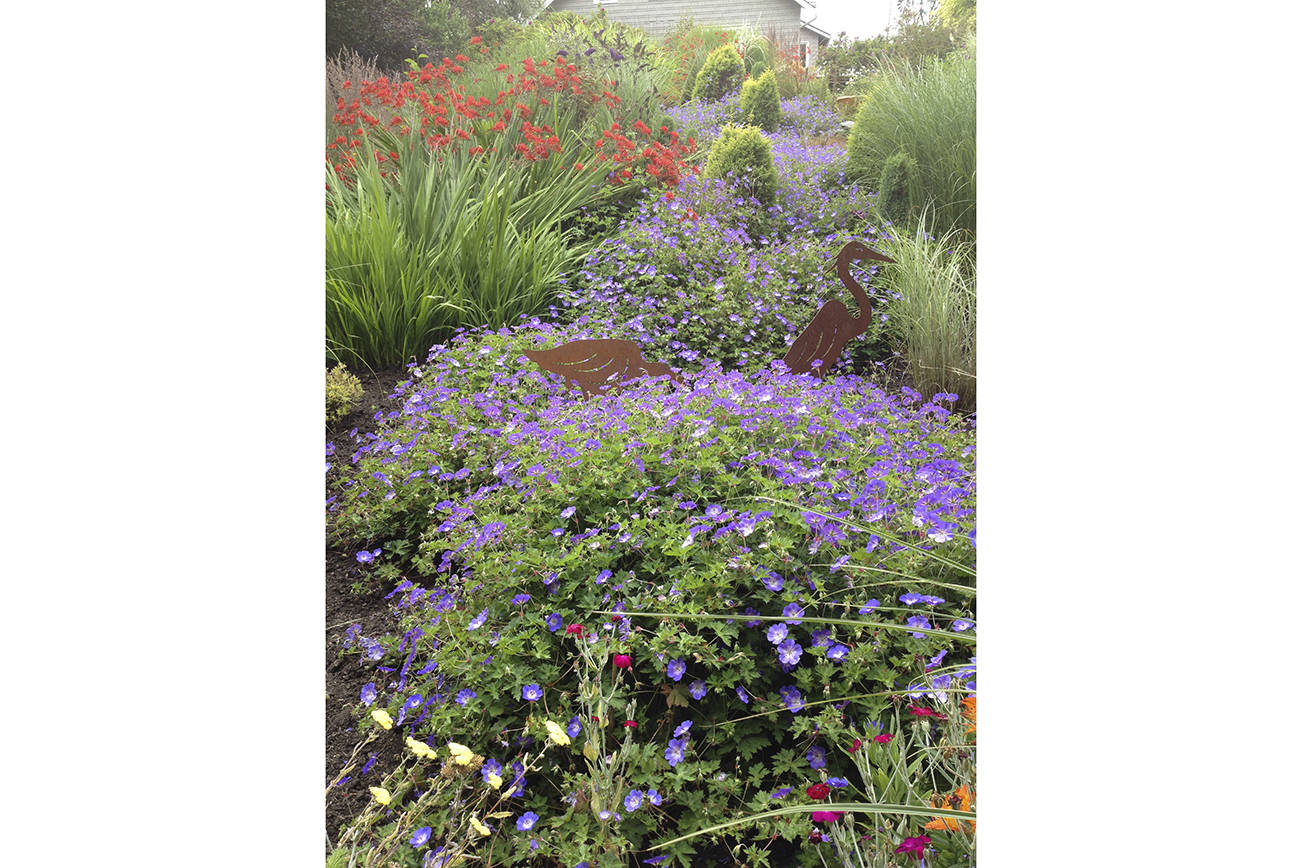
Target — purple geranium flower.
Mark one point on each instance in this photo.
(743, 695)
(555, 621)
(478, 621)
(961, 624)
(526, 821)
(789, 653)
(910, 598)
(817, 757)
(676, 669)
(682, 728)
(793, 610)
(365, 557)
(420, 837)
(773, 582)
(574, 727)
(697, 689)
(777, 632)
(872, 604)
(674, 753)
(464, 696)
(531, 692)
(837, 652)
(520, 599)
(653, 797)
(791, 698)
(368, 693)
(633, 800)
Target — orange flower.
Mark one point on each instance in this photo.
(961, 800)
(969, 711)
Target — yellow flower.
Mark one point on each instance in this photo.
(380, 716)
(508, 793)
(494, 781)
(420, 749)
(381, 795)
(557, 734)
(479, 827)
(461, 754)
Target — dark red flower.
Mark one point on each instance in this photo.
(575, 628)
(855, 745)
(623, 661)
(884, 738)
(631, 724)
(818, 791)
(919, 711)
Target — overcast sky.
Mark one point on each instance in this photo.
(859, 18)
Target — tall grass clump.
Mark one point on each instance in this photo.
(929, 112)
(933, 314)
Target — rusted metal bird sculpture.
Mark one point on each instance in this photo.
(596, 365)
(826, 335)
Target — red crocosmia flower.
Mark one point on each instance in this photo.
(461, 58)
(884, 738)
(631, 723)
(475, 40)
(575, 628)
(914, 846)
(827, 816)
(818, 791)
(669, 195)
(855, 745)
(623, 661)
(501, 67)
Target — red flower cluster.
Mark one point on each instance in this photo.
(575, 629)
(623, 661)
(818, 791)
(921, 711)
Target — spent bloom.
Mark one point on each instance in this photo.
(556, 733)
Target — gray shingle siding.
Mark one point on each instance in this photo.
(658, 17)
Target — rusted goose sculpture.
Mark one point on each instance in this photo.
(827, 334)
(596, 365)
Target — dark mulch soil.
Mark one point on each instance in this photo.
(346, 674)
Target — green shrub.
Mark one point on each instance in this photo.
(929, 113)
(721, 74)
(759, 102)
(897, 190)
(343, 393)
(683, 53)
(745, 153)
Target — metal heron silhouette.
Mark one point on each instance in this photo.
(832, 327)
(597, 365)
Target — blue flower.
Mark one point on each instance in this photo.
(674, 753)
(791, 698)
(911, 598)
(567, 512)
(817, 757)
(653, 797)
(932, 601)
(682, 728)
(421, 836)
(490, 767)
(478, 621)
(520, 599)
(793, 610)
(743, 695)
(773, 582)
(555, 621)
(789, 653)
(602, 576)
(464, 696)
(531, 692)
(413, 701)
(919, 621)
(837, 652)
(935, 661)
(821, 638)
(368, 693)
(837, 782)
(961, 624)
(782, 792)
(633, 800)
(872, 604)
(365, 557)
(697, 689)
(574, 727)
(526, 821)
(777, 632)
(676, 669)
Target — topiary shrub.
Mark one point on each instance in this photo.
(343, 393)
(759, 102)
(896, 192)
(721, 74)
(745, 153)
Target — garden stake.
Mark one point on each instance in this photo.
(596, 365)
(820, 344)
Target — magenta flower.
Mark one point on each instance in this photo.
(914, 846)
(829, 817)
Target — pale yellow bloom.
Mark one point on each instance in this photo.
(509, 793)
(479, 827)
(420, 749)
(461, 754)
(494, 781)
(557, 734)
(381, 795)
(380, 716)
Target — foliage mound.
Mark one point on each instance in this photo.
(343, 393)
(743, 155)
(759, 102)
(897, 190)
(761, 572)
(929, 113)
(721, 74)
